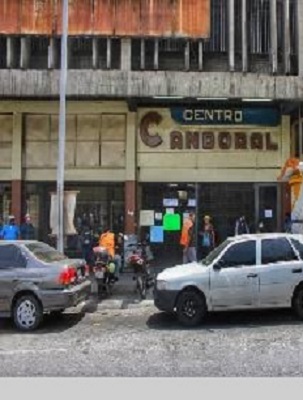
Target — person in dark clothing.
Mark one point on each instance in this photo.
(241, 227)
(119, 253)
(87, 241)
(27, 229)
(287, 223)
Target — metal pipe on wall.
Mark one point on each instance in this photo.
(231, 34)
(274, 36)
(62, 128)
(244, 37)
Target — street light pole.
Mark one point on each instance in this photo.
(62, 128)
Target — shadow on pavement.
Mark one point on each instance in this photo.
(227, 320)
(50, 324)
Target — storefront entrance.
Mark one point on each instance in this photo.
(223, 202)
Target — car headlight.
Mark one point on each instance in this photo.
(161, 285)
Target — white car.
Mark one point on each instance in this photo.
(245, 272)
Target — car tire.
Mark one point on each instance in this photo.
(191, 308)
(297, 303)
(27, 313)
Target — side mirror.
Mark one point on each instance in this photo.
(219, 265)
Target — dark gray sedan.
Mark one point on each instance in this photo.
(36, 279)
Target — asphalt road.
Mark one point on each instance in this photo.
(144, 342)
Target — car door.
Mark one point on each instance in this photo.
(278, 271)
(11, 265)
(235, 284)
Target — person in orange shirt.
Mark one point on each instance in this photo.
(107, 240)
(188, 239)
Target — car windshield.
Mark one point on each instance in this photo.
(214, 254)
(45, 253)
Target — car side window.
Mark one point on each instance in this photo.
(11, 257)
(277, 250)
(298, 246)
(240, 254)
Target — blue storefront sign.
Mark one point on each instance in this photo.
(226, 116)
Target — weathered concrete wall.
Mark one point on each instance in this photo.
(93, 84)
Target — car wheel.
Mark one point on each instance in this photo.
(297, 303)
(191, 308)
(27, 313)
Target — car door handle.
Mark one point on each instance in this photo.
(252, 275)
(296, 270)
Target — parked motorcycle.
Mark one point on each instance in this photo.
(104, 270)
(138, 260)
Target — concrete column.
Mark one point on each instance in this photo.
(274, 36)
(17, 168)
(187, 56)
(156, 54)
(130, 207)
(142, 54)
(53, 53)
(126, 54)
(286, 11)
(300, 36)
(108, 53)
(244, 37)
(95, 53)
(231, 34)
(130, 181)
(25, 52)
(200, 55)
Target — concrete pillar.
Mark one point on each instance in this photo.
(187, 56)
(126, 54)
(231, 34)
(244, 37)
(17, 168)
(274, 36)
(108, 53)
(300, 36)
(25, 52)
(156, 54)
(142, 54)
(95, 53)
(286, 54)
(53, 53)
(131, 176)
(200, 55)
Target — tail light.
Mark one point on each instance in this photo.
(68, 276)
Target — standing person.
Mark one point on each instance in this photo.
(241, 227)
(287, 223)
(188, 239)
(208, 236)
(27, 229)
(261, 227)
(119, 252)
(86, 240)
(107, 240)
(10, 231)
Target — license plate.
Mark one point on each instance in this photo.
(99, 274)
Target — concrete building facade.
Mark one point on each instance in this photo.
(207, 122)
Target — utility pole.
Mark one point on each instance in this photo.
(62, 129)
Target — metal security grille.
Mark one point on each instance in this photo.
(219, 27)
(259, 26)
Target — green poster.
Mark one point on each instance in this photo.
(172, 222)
